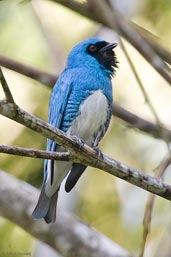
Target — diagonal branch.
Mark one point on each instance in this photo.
(5, 87)
(140, 83)
(85, 154)
(68, 236)
(140, 123)
(153, 41)
(146, 96)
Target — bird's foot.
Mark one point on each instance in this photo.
(98, 151)
(79, 140)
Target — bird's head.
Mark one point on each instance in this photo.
(93, 53)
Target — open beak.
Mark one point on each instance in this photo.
(108, 47)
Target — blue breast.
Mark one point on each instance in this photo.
(83, 85)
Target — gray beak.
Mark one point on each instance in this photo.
(108, 47)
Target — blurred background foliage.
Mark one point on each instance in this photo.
(40, 34)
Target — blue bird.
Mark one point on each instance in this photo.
(80, 105)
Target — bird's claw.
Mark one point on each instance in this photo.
(79, 140)
(98, 151)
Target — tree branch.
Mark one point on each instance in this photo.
(49, 79)
(84, 153)
(34, 153)
(68, 235)
(34, 73)
(141, 124)
(5, 87)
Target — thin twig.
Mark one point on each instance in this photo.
(150, 203)
(34, 153)
(5, 87)
(146, 97)
(144, 92)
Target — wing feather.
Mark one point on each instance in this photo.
(57, 104)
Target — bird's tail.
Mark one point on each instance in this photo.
(46, 207)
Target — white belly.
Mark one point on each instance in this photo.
(93, 115)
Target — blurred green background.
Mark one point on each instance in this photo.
(40, 34)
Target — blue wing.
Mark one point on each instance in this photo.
(57, 104)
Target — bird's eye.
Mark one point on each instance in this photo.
(92, 48)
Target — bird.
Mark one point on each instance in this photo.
(80, 105)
